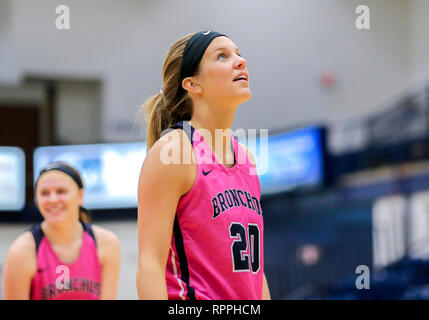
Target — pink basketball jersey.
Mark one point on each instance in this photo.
(56, 280)
(217, 245)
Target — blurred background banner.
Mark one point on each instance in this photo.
(345, 102)
(12, 178)
(110, 172)
(295, 160)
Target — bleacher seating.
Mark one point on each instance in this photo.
(407, 279)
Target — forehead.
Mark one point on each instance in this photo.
(221, 42)
(55, 178)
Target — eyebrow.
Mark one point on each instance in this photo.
(223, 48)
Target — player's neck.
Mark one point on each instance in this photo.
(212, 115)
(212, 124)
(64, 233)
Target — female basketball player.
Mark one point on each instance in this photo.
(200, 223)
(62, 258)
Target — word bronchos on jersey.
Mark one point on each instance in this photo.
(74, 285)
(231, 198)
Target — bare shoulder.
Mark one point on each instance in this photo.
(22, 252)
(172, 148)
(24, 245)
(249, 154)
(104, 237)
(171, 160)
(108, 247)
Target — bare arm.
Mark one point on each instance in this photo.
(110, 258)
(265, 291)
(20, 268)
(160, 188)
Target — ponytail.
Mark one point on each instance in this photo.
(84, 215)
(172, 104)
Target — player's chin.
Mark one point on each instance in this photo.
(55, 218)
(243, 95)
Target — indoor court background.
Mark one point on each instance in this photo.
(360, 95)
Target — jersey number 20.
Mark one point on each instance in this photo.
(240, 259)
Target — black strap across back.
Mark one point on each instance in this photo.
(37, 233)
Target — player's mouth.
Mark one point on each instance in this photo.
(243, 76)
(56, 211)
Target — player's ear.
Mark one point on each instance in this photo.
(192, 85)
(81, 195)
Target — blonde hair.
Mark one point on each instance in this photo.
(173, 104)
(84, 215)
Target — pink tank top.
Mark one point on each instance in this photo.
(56, 280)
(216, 250)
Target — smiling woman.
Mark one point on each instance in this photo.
(64, 257)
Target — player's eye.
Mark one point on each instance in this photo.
(221, 55)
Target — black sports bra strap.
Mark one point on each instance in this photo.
(185, 126)
(88, 228)
(189, 130)
(37, 233)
